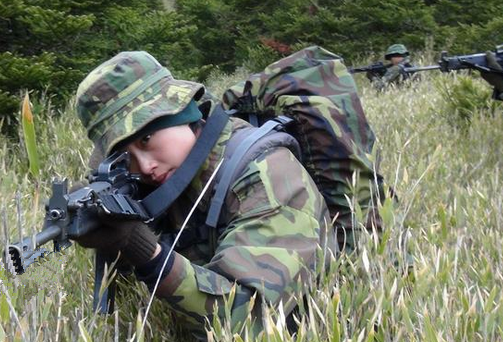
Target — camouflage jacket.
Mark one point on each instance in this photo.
(394, 75)
(274, 218)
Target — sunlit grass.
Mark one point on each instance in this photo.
(449, 219)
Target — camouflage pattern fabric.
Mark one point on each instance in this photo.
(394, 75)
(396, 50)
(314, 87)
(274, 219)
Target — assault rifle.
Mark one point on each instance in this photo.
(111, 191)
(378, 68)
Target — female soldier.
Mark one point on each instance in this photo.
(272, 223)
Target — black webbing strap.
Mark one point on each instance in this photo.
(229, 168)
(160, 199)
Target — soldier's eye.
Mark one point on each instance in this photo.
(145, 139)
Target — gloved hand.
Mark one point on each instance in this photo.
(134, 239)
(493, 78)
(372, 76)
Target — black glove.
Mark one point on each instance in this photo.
(372, 76)
(134, 239)
(493, 78)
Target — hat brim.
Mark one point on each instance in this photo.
(167, 97)
(391, 55)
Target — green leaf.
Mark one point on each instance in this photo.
(4, 309)
(444, 227)
(431, 335)
(386, 212)
(29, 137)
(336, 331)
(2, 333)
(84, 334)
(139, 331)
(490, 300)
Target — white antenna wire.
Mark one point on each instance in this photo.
(174, 243)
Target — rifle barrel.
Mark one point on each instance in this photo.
(23, 253)
(421, 68)
(357, 70)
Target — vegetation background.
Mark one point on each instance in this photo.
(440, 140)
(48, 46)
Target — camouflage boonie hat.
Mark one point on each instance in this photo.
(125, 93)
(396, 50)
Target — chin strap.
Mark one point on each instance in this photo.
(160, 199)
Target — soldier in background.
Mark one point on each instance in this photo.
(398, 55)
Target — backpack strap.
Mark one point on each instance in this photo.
(160, 199)
(238, 154)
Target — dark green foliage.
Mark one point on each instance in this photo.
(216, 30)
(468, 26)
(277, 28)
(48, 46)
(454, 12)
(236, 32)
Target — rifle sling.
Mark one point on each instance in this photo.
(160, 199)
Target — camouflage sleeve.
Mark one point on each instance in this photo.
(392, 74)
(276, 219)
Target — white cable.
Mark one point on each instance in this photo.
(175, 241)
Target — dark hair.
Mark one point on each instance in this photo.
(196, 125)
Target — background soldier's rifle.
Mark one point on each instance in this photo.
(378, 69)
(111, 191)
(477, 61)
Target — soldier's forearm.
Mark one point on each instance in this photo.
(192, 294)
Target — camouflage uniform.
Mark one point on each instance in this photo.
(273, 220)
(274, 216)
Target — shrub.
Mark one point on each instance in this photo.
(464, 98)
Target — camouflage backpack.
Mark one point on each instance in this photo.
(315, 91)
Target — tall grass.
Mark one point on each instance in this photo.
(449, 219)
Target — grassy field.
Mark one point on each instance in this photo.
(440, 149)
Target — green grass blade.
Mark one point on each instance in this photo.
(29, 137)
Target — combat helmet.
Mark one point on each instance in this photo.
(396, 50)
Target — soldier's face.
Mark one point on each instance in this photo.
(157, 156)
(396, 59)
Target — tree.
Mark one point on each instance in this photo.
(240, 30)
(50, 45)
